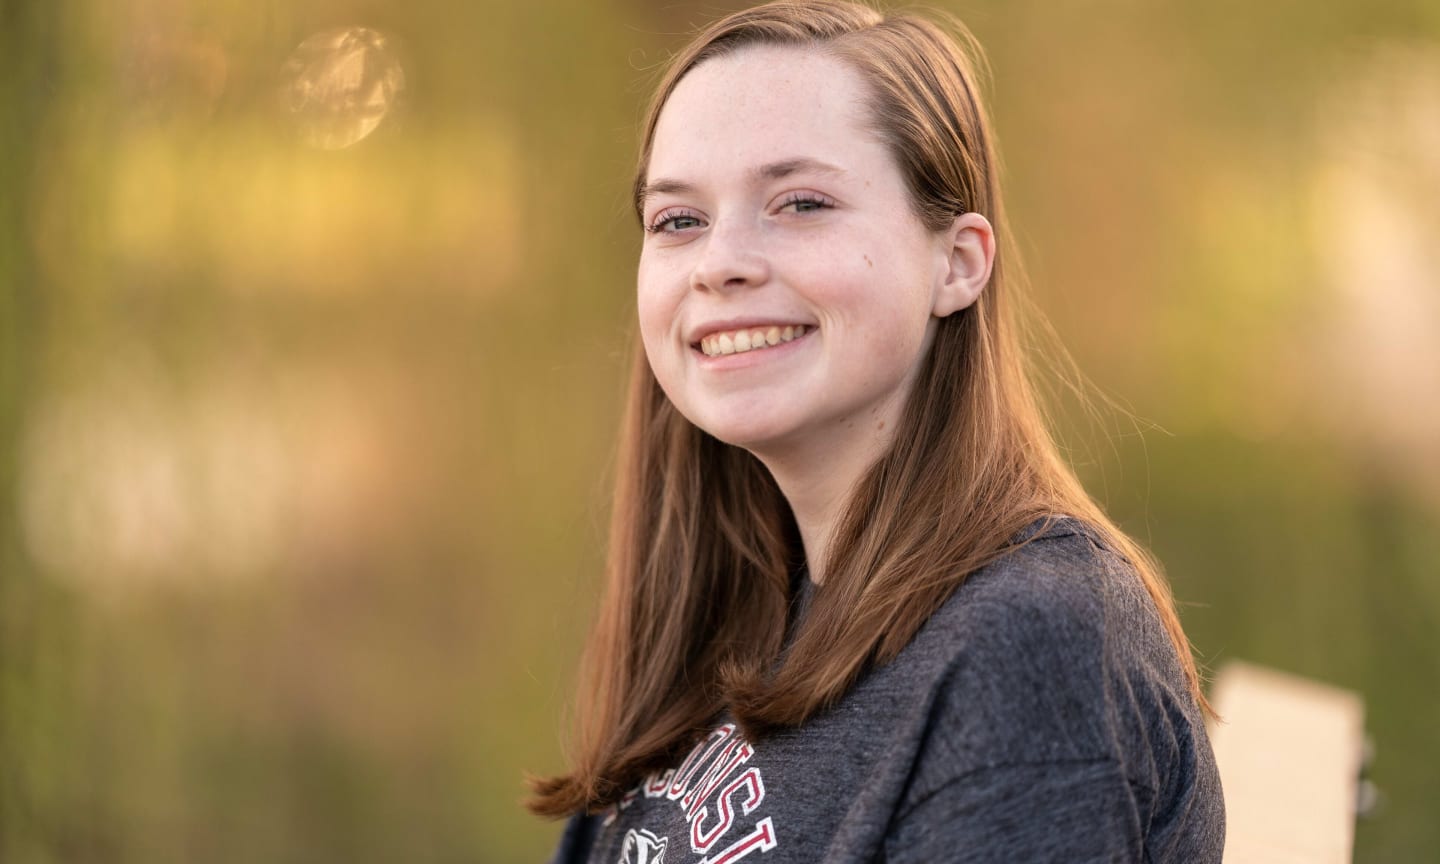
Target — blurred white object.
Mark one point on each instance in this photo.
(1290, 751)
(340, 84)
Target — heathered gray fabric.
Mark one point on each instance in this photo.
(1039, 715)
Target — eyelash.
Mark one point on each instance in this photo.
(820, 201)
(667, 216)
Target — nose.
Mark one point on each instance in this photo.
(732, 258)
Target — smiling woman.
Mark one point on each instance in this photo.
(857, 606)
(822, 240)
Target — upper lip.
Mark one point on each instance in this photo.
(700, 331)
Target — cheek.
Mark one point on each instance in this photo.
(656, 313)
(890, 359)
(654, 307)
(892, 321)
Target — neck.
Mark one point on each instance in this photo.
(818, 479)
(817, 502)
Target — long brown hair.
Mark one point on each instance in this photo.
(702, 543)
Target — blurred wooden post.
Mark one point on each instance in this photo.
(1290, 752)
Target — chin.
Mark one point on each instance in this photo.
(726, 427)
(756, 439)
(744, 437)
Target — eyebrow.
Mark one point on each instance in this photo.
(769, 171)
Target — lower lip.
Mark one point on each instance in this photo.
(754, 357)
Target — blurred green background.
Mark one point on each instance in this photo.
(314, 322)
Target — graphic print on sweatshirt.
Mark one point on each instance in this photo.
(708, 810)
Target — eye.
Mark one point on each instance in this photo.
(806, 202)
(673, 220)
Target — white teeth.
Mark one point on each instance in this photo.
(741, 341)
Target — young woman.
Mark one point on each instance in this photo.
(857, 606)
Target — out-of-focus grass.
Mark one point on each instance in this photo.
(307, 449)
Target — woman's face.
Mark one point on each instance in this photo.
(776, 218)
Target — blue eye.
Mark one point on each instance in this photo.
(670, 221)
(807, 202)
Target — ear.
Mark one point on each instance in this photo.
(969, 246)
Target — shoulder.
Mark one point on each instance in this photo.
(1056, 653)
(1060, 594)
(1056, 677)
(1058, 568)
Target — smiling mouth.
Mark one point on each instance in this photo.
(750, 339)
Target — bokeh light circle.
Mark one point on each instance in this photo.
(341, 84)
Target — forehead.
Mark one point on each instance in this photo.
(758, 103)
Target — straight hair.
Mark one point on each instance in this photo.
(702, 543)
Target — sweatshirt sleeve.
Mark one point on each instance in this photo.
(1059, 727)
(1079, 812)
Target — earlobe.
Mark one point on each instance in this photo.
(971, 256)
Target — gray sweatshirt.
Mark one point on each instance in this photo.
(1039, 715)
